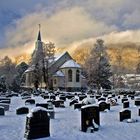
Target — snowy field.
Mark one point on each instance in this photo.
(67, 123)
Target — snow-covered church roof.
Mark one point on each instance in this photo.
(59, 73)
(31, 68)
(70, 64)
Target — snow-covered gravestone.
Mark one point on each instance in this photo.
(137, 101)
(126, 104)
(90, 118)
(22, 110)
(125, 114)
(37, 124)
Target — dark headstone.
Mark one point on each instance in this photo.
(78, 105)
(46, 96)
(126, 114)
(103, 106)
(124, 99)
(98, 96)
(22, 110)
(52, 97)
(89, 115)
(101, 99)
(2, 112)
(73, 102)
(59, 103)
(125, 104)
(139, 111)
(81, 97)
(137, 102)
(37, 124)
(62, 98)
(45, 105)
(6, 106)
(30, 101)
(69, 96)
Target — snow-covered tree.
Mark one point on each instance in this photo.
(7, 68)
(98, 67)
(3, 85)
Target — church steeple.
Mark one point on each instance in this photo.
(39, 34)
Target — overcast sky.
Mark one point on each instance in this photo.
(65, 21)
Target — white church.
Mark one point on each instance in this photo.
(64, 72)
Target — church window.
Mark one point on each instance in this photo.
(77, 76)
(70, 75)
(55, 81)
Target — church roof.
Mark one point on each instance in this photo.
(31, 68)
(59, 74)
(70, 64)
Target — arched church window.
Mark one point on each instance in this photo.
(77, 76)
(55, 81)
(70, 75)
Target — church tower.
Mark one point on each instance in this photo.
(38, 53)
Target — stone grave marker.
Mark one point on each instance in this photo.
(124, 99)
(89, 117)
(22, 110)
(6, 106)
(137, 101)
(125, 114)
(103, 106)
(30, 101)
(37, 124)
(125, 104)
(45, 105)
(2, 112)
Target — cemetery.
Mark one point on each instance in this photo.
(69, 118)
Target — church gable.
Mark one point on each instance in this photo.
(54, 67)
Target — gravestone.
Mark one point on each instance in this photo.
(52, 97)
(78, 105)
(45, 105)
(7, 100)
(98, 96)
(101, 99)
(59, 103)
(46, 96)
(137, 101)
(69, 96)
(139, 111)
(6, 106)
(89, 117)
(2, 112)
(73, 102)
(30, 101)
(124, 99)
(125, 104)
(103, 106)
(62, 97)
(125, 114)
(22, 110)
(37, 124)
(81, 97)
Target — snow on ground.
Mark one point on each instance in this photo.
(67, 123)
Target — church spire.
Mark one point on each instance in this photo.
(39, 34)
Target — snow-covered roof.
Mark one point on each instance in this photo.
(59, 73)
(31, 68)
(70, 64)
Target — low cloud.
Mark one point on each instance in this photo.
(63, 28)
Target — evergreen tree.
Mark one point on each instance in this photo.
(98, 67)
